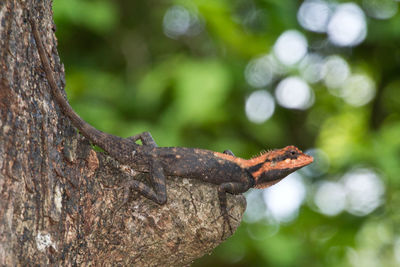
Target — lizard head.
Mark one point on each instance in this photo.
(272, 166)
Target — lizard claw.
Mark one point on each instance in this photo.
(226, 223)
(229, 226)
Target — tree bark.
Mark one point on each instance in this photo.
(59, 197)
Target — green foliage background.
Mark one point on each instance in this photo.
(124, 76)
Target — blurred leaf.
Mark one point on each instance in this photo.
(201, 90)
(97, 15)
(281, 250)
(218, 16)
(341, 134)
(387, 147)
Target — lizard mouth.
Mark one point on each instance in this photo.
(302, 160)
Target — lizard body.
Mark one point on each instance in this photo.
(232, 174)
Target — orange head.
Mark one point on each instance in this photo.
(272, 166)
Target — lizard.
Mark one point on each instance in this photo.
(231, 174)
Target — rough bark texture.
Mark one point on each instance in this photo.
(58, 196)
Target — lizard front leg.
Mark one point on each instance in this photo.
(232, 188)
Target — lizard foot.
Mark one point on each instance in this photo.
(227, 223)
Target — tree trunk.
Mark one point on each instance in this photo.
(59, 197)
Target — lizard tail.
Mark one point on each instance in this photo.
(85, 128)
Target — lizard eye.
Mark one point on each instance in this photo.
(293, 152)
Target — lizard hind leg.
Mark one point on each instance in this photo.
(145, 137)
(157, 192)
(160, 196)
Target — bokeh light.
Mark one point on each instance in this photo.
(381, 9)
(314, 15)
(396, 249)
(284, 199)
(259, 106)
(364, 190)
(311, 68)
(347, 26)
(255, 210)
(320, 165)
(179, 21)
(260, 71)
(294, 93)
(335, 72)
(358, 90)
(330, 198)
(290, 47)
